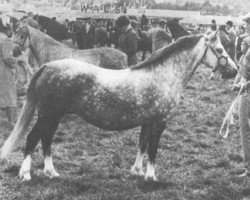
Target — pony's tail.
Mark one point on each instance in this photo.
(24, 118)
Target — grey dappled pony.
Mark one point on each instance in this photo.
(143, 95)
(45, 49)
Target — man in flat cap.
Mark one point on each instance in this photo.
(231, 38)
(128, 40)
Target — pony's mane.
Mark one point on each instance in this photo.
(183, 43)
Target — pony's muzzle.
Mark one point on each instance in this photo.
(228, 74)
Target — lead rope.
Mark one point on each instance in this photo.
(229, 113)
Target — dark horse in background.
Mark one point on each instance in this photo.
(53, 28)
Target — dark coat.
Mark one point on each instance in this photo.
(101, 37)
(238, 48)
(128, 44)
(86, 40)
(230, 45)
(113, 36)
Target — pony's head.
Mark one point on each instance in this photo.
(216, 57)
(21, 40)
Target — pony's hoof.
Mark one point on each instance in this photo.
(150, 178)
(24, 176)
(51, 173)
(137, 171)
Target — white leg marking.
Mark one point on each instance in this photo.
(49, 169)
(232, 119)
(150, 174)
(137, 167)
(24, 172)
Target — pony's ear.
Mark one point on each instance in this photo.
(212, 37)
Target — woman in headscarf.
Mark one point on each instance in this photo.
(8, 64)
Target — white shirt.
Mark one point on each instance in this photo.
(87, 27)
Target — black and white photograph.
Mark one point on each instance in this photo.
(124, 99)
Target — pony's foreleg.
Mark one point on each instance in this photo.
(143, 142)
(153, 143)
(47, 138)
(49, 169)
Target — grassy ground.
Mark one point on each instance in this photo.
(193, 161)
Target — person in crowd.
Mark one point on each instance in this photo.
(89, 34)
(214, 25)
(101, 35)
(113, 34)
(231, 38)
(66, 23)
(8, 64)
(144, 23)
(163, 25)
(243, 80)
(241, 34)
(128, 39)
(79, 34)
(135, 26)
(222, 32)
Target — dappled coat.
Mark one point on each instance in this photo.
(8, 96)
(128, 44)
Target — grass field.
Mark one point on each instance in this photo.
(193, 161)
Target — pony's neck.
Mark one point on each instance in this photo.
(181, 65)
(41, 44)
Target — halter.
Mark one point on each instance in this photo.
(22, 45)
(222, 60)
(27, 36)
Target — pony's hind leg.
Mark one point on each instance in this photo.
(47, 138)
(43, 129)
(143, 142)
(156, 131)
(31, 142)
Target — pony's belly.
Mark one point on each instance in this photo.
(118, 118)
(112, 125)
(113, 121)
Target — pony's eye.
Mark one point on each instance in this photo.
(219, 50)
